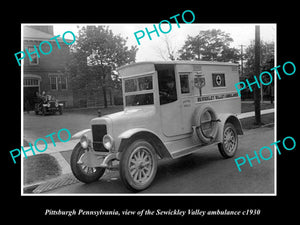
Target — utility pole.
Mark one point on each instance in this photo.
(256, 73)
(242, 64)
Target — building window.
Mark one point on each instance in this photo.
(63, 82)
(31, 82)
(53, 82)
(34, 57)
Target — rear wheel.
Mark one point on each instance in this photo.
(229, 144)
(36, 108)
(81, 171)
(138, 165)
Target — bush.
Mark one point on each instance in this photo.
(118, 100)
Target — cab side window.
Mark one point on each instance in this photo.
(166, 83)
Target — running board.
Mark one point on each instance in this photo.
(189, 150)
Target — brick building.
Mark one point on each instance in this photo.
(45, 73)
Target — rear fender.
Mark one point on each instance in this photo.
(231, 118)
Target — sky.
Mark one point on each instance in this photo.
(155, 49)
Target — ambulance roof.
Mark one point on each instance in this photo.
(182, 62)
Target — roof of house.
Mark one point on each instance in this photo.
(30, 33)
(33, 34)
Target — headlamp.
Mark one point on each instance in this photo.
(84, 141)
(108, 142)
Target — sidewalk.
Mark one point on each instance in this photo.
(61, 147)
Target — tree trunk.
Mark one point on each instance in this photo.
(104, 96)
(256, 73)
(110, 97)
(103, 77)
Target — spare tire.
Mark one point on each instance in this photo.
(205, 121)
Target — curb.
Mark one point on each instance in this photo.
(65, 173)
(63, 180)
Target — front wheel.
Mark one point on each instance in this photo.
(60, 111)
(229, 144)
(81, 171)
(138, 165)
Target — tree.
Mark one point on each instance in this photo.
(210, 45)
(266, 57)
(97, 53)
(168, 50)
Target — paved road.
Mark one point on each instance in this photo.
(38, 126)
(202, 172)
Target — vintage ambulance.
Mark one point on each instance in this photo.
(171, 109)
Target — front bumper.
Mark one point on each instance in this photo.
(91, 140)
(92, 158)
(52, 109)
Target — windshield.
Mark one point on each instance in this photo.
(139, 91)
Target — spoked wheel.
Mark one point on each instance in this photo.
(229, 144)
(81, 171)
(138, 165)
(43, 111)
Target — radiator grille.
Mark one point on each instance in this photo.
(52, 104)
(98, 131)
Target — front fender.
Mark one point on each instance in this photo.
(231, 118)
(130, 135)
(126, 135)
(80, 133)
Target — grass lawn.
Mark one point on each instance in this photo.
(249, 123)
(249, 106)
(39, 168)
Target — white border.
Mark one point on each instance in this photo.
(151, 194)
(22, 110)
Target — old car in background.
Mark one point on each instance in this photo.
(171, 109)
(48, 105)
